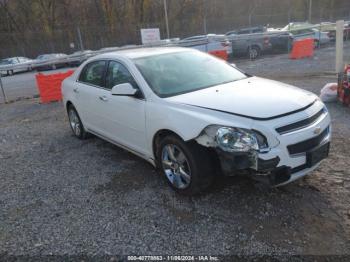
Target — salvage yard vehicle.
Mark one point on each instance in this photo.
(301, 30)
(195, 116)
(254, 41)
(321, 38)
(44, 63)
(346, 33)
(252, 45)
(78, 57)
(23, 64)
(281, 41)
(207, 43)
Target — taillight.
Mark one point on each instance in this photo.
(347, 73)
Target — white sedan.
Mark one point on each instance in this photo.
(14, 65)
(195, 116)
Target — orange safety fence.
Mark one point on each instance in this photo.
(302, 48)
(50, 86)
(220, 54)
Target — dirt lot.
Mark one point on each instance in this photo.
(60, 195)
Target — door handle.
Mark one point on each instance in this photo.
(76, 90)
(103, 98)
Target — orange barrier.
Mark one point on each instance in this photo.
(50, 86)
(220, 54)
(302, 48)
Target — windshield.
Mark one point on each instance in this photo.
(4, 62)
(183, 72)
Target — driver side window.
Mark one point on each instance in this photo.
(118, 74)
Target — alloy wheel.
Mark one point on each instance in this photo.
(74, 122)
(176, 166)
(253, 53)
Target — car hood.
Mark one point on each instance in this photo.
(253, 97)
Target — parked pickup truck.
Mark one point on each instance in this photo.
(254, 41)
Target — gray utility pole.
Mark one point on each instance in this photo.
(339, 62)
(3, 91)
(205, 17)
(166, 18)
(310, 10)
(80, 40)
(252, 10)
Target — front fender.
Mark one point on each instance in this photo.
(185, 120)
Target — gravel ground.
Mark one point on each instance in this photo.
(60, 195)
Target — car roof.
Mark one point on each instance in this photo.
(143, 52)
(195, 36)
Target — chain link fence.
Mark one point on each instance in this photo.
(96, 35)
(101, 37)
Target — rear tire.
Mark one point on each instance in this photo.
(253, 52)
(187, 167)
(317, 44)
(75, 123)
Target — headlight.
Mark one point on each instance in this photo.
(232, 139)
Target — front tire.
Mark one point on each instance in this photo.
(187, 166)
(75, 123)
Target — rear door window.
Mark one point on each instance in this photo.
(93, 73)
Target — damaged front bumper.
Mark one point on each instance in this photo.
(289, 147)
(269, 170)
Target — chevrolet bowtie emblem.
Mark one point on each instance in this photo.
(317, 130)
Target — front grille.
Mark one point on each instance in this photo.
(307, 145)
(300, 124)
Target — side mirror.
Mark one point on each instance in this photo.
(125, 89)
